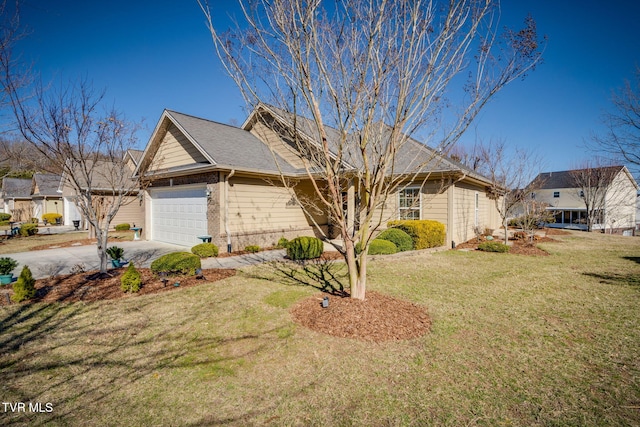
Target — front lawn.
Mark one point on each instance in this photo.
(44, 240)
(514, 340)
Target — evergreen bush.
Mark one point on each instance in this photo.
(205, 250)
(51, 218)
(382, 247)
(7, 265)
(252, 248)
(131, 280)
(25, 287)
(282, 243)
(424, 233)
(5, 216)
(493, 246)
(305, 247)
(400, 238)
(176, 263)
(28, 229)
(123, 227)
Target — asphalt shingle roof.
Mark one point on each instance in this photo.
(564, 179)
(16, 187)
(47, 184)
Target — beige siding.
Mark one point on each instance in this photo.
(175, 150)
(277, 144)
(53, 206)
(130, 213)
(465, 217)
(256, 205)
(621, 203)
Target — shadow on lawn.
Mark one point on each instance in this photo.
(323, 274)
(632, 279)
(94, 360)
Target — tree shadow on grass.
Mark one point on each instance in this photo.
(85, 360)
(635, 259)
(326, 275)
(632, 279)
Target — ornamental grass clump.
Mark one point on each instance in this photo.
(205, 250)
(305, 247)
(176, 263)
(131, 280)
(25, 286)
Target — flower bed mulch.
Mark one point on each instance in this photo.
(88, 287)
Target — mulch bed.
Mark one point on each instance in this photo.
(85, 287)
(376, 319)
(520, 247)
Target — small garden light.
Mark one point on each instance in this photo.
(325, 302)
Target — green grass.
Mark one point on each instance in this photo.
(516, 341)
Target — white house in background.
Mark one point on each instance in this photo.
(561, 194)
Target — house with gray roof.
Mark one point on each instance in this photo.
(612, 197)
(244, 185)
(16, 198)
(46, 195)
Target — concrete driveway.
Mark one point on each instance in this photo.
(61, 260)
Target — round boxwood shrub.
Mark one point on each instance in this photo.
(131, 280)
(5, 216)
(25, 287)
(51, 218)
(176, 263)
(493, 246)
(205, 250)
(305, 247)
(400, 238)
(282, 243)
(123, 227)
(382, 247)
(252, 249)
(28, 229)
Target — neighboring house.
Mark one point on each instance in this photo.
(16, 198)
(208, 178)
(131, 211)
(616, 212)
(45, 195)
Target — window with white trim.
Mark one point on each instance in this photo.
(409, 203)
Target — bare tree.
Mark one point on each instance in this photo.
(593, 182)
(77, 136)
(371, 77)
(510, 170)
(622, 142)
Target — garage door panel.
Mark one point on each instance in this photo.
(179, 215)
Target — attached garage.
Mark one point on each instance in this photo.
(179, 214)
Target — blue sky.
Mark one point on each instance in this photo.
(151, 55)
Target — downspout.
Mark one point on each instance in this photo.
(226, 209)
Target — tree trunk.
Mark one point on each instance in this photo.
(357, 271)
(102, 236)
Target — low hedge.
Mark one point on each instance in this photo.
(5, 216)
(493, 246)
(424, 233)
(400, 238)
(304, 247)
(382, 247)
(205, 250)
(176, 263)
(123, 227)
(51, 218)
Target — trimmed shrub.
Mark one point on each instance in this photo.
(282, 243)
(131, 280)
(493, 246)
(382, 247)
(400, 238)
(4, 222)
(51, 218)
(424, 233)
(205, 250)
(176, 263)
(252, 248)
(25, 286)
(28, 229)
(123, 227)
(305, 247)
(5, 216)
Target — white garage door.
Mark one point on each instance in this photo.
(179, 215)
